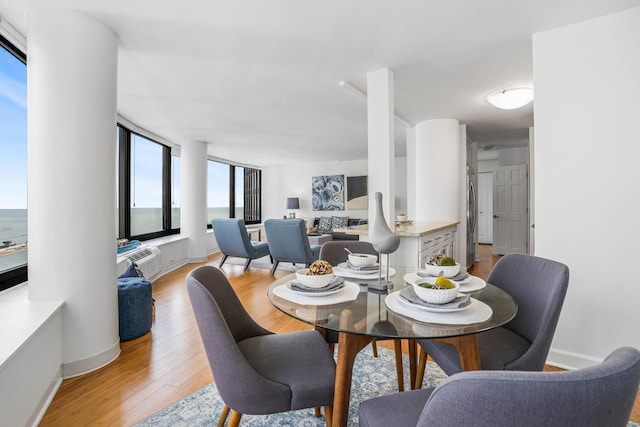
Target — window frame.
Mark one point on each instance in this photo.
(124, 187)
(17, 275)
(252, 198)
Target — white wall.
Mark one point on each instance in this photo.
(586, 154)
(294, 180)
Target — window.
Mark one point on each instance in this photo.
(175, 192)
(239, 191)
(147, 181)
(146, 186)
(237, 186)
(13, 166)
(218, 184)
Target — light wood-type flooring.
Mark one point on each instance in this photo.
(169, 363)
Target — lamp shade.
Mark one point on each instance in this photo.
(510, 99)
(293, 203)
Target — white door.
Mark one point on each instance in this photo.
(510, 198)
(485, 207)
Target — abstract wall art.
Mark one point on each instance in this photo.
(357, 192)
(327, 193)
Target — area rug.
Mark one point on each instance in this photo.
(264, 262)
(372, 376)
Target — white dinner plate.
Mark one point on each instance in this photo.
(343, 271)
(314, 294)
(432, 309)
(345, 266)
(463, 281)
(470, 284)
(478, 312)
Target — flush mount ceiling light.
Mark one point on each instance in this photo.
(510, 99)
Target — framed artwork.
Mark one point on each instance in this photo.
(357, 192)
(327, 193)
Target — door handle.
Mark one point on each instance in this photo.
(496, 216)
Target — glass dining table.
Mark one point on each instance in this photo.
(360, 313)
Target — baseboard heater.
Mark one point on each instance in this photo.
(148, 260)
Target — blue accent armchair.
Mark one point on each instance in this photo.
(233, 240)
(288, 242)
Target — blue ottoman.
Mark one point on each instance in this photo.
(135, 307)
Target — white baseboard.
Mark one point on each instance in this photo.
(570, 360)
(92, 363)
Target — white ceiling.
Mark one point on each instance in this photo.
(258, 80)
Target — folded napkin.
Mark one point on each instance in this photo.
(458, 277)
(363, 268)
(408, 294)
(336, 283)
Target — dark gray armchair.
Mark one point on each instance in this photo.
(288, 242)
(255, 371)
(602, 395)
(538, 286)
(233, 240)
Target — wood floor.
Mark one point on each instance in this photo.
(169, 363)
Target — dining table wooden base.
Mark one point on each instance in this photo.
(349, 345)
(360, 314)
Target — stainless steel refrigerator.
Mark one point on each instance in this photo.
(472, 216)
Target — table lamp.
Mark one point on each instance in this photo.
(292, 204)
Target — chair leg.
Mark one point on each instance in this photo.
(397, 346)
(223, 416)
(246, 264)
(328, 415)
(374, 348)
(224, 258)
(234, 421)
(422, 363)
(317, 411)
(275, 265)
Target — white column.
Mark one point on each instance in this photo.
(381, 155)
(72, 81)
(193, 215)
(437, 159)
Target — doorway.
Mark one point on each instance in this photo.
(485, 208)
(510, 212)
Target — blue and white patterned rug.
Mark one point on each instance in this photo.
(371, 377)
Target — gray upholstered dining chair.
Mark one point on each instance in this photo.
(256, 371)
(288, 242)
(334, 253)
(601, 395)
(538, 287)
(233, 240)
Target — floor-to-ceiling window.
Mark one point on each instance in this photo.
(233, 192)
(148, 187)
(13, 166)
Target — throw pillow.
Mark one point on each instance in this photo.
(132, 271)
(339, 221)
(325, 223)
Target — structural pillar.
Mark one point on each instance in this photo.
(193, 215)
(437, 169)
(72, 82)
(381, 144)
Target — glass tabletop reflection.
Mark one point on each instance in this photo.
(368, 314)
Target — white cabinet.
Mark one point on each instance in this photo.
(417, 248)
(439, 242)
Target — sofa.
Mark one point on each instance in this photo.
(326, 225)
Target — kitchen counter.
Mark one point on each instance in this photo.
(420, 240)
(414, 229)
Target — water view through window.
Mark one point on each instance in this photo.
(13, 162)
